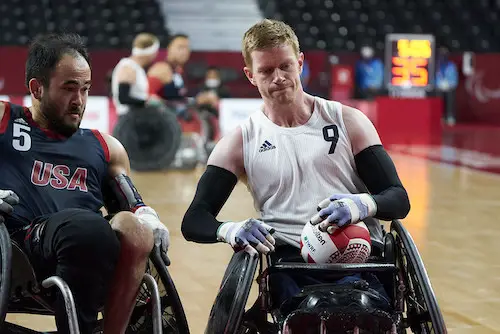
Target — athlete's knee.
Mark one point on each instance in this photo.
(135, 238)
(87, 241)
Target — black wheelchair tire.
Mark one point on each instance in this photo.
(236, 284)
(414, 261)
(140, 159)
(173, 296)
(5, 278)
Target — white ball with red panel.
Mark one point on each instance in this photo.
(348, 244)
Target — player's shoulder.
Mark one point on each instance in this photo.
(3, 106)
(109, 144)
(228, 153)
(353, 115)
(107, 140)
(8, 111)
(115, 148)
(233, 138)
(159, 68)
(161, 64)
(346, 115)
(326, 105)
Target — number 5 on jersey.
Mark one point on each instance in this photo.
(21, 139)
(331, 134)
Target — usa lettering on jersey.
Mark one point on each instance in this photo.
(58, 176)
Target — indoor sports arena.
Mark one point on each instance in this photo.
(309, 166)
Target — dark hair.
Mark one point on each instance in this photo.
(47, 50)
(213, 68)
(174, 37)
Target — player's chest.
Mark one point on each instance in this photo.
(66, 164)
(24, 142)
(288, 157)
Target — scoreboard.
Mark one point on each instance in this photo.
(409, 63)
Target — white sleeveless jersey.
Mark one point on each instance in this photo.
(290, 171)
(139, 90)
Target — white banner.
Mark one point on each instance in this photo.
(96, 114)
(233, 112)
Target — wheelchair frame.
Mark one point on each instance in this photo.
(21, 292)
(412, 298)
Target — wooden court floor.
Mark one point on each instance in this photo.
(453, 221)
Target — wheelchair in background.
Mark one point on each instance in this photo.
(160, 137)
(349, 307)
(158, 307)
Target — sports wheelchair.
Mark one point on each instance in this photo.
(157, 138)
(346, 307)
(158, 307)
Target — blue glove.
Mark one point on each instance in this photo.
(252, 235)
(341, 209)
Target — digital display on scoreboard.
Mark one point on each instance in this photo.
(409, 61)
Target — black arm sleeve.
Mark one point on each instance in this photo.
(125, 98)
(215, 186)
(376, 169)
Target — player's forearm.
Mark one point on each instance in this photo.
(392, 203)
(200, 223)
(125, 98)
(120, 194)
(376, 169)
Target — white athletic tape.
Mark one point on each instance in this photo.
(324, 203)
(353, 208)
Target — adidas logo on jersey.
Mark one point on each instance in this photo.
(21, 121)
(266, 146)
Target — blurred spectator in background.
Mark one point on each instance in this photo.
(166, 77)
(212, 91)
(213, 83)
(369, 74)
(446, 84)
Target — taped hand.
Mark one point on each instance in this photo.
(341, 209)
(252, 235)
(150, 218)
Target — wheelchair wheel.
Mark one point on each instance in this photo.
(173, 316)
(5, 271)
(229, 306)
(151, 136)
(422, 310)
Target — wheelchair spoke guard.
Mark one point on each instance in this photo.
(423, 313)
(227, 312)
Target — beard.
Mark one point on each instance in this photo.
(56, 118)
